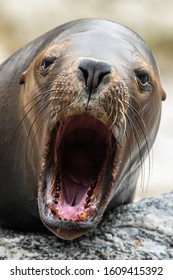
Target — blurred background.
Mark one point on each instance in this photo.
(21, 21)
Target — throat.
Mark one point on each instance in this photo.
(81, 159)
(73, 192)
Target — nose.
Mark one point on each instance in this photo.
(93, 71)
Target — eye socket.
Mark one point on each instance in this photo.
(143, 78)
(46, 64)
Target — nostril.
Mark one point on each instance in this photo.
(102, 75)
(85, 74)
(93, 72)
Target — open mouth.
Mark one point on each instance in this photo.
(79, 170)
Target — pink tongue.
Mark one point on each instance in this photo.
(72, 192)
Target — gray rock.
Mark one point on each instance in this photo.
(141, 230)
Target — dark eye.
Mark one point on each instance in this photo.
(46, 63)
(143, 78)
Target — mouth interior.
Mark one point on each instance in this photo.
(81, 152)
(82, 155)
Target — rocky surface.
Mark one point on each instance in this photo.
(142, 230)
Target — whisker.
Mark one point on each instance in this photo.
(37, 101)
(142, 127)
(44, 94)
(130, 167)
(39, 111)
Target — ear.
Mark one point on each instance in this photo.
(22, 78)
(163, 95)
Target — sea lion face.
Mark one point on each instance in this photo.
(96, 97)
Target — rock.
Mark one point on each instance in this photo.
(141, 230)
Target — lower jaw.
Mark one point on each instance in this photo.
(70, 224)
(69, 229)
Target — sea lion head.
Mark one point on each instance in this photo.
(93, 100)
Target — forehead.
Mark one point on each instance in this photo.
(95, 41)
(100, 45)
(103, 40)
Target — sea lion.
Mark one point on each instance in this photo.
(79, 111)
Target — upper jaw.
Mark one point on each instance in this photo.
(77, 175)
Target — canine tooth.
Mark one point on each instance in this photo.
(119, 130)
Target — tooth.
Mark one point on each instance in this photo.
(88, 200)
(83, 216)
(94, 183)
(58, 179)
(53, 210)
(55, 201)
(118, 130)
(89, 193)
